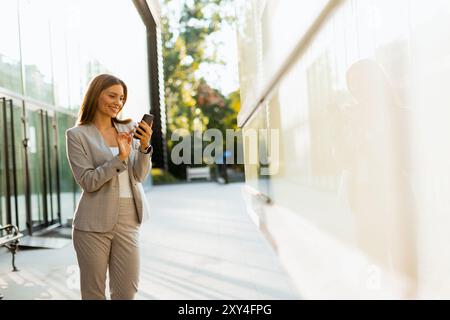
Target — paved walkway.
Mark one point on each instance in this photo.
(198, 244)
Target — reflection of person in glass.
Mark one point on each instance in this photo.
(108, 164)
(378, 187)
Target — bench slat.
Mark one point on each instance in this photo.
(7, 239)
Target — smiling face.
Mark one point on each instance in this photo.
(111, 101)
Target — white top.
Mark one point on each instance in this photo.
(124, 179)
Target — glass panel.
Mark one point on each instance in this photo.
(36, 49)
(85, 44)
(51, 170)
(12, 156)
(12, 147)
(255, 141)
(423, 86)
(74, 47)
(364, 132)
(249, 48)
(35, 156)
(265, 44)
(59, 40)
(3, 171)
(10, 68)
(18, 160)
(112, 49)
(69, 188)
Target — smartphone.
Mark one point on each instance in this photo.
(148, 118)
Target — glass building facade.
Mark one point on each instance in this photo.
(49, 51)
(356, 197)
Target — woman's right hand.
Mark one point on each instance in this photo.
(124, 140)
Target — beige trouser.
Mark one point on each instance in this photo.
(118, 249)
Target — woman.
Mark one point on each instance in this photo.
(108, 163)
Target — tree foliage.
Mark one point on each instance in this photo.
(191, 103)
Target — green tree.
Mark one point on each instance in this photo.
(185, 34)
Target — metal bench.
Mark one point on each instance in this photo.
(9, 238)
(198, 173)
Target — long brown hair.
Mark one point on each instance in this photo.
(90, 101)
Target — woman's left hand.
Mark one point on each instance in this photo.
(144, 133)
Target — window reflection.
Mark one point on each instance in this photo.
(10, 69)
(36, 49)
(364, 123)
(378, 182)
(357, 181)
(65, 43)
(49, 51)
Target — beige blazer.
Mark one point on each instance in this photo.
(96, 170)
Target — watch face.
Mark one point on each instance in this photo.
(149, 149)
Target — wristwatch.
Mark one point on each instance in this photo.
(148, 150)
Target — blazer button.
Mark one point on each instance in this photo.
(117, 170)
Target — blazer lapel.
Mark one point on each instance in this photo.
(95, 133)
(122, 128)
(117, 125)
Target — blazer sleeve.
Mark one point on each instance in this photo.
(142, 162)
(89, 178)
